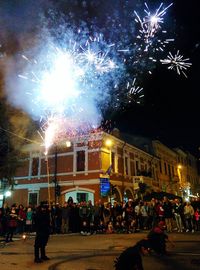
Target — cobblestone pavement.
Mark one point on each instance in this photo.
(97, 252)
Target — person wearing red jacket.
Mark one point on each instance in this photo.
(158, 238)
(197, 219)
(21, 219)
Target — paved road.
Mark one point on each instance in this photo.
(97, 252)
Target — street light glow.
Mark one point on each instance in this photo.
(68, 143)
(8, 193)
(108, 142)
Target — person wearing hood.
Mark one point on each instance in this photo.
(42, 226)
(131, 258)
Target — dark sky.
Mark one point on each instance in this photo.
(170, 111)
(171, 103)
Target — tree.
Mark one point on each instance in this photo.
(9, 157)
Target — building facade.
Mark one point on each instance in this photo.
(168, 168)
(76, 171)
(188, 173)
(98, 166)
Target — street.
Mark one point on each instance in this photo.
(97, 252)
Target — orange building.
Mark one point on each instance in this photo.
(83, 170)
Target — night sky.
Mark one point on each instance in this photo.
(171, 104)
(170, 108)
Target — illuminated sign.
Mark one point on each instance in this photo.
(104, 186)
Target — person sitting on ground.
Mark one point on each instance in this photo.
(157, 238)
(130, 258)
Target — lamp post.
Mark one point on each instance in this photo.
(180, 178)
(55, 173)
(109, 143)
(56, 184)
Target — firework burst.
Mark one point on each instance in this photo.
(68, 82)
(177, 62)
(150, 25)
(69, 77)
(134, 92)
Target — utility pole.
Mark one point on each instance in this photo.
(55, 173)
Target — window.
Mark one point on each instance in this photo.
(33, 198)
(126, 165)
(35, 165)
(113, 161)
(145, 167)
(137, 167)
(165, 166)
(80, 161)
(132, 166)
(169, 170)
(172, 170)
(82, 197)
(160, 163)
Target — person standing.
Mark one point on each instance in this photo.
(29, 220)
(42, 227)
(178, 213)
(84, 213)
(65, 217)
(22, 219)
(12, 224)
(188, 214)
(168, 214)
(197, 219)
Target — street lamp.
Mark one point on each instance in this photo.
(5, 195)
(68, 143)
(180, 177)
(108, 142)
(55, 173)
(8, 193)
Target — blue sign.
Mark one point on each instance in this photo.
(104, 186)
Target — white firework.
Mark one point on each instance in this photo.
(134, 92)
(150, 25)
(177, 62)
(95, 53)
(65, 82)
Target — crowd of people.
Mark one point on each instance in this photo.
(155, 216)
(119, 217)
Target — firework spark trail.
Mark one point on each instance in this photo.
(2, 53)
(150, 25)
(134, 92)
(177, 62)
(67, 82)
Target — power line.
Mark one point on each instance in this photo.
(21, 137)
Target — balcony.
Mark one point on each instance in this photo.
(142, 179)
